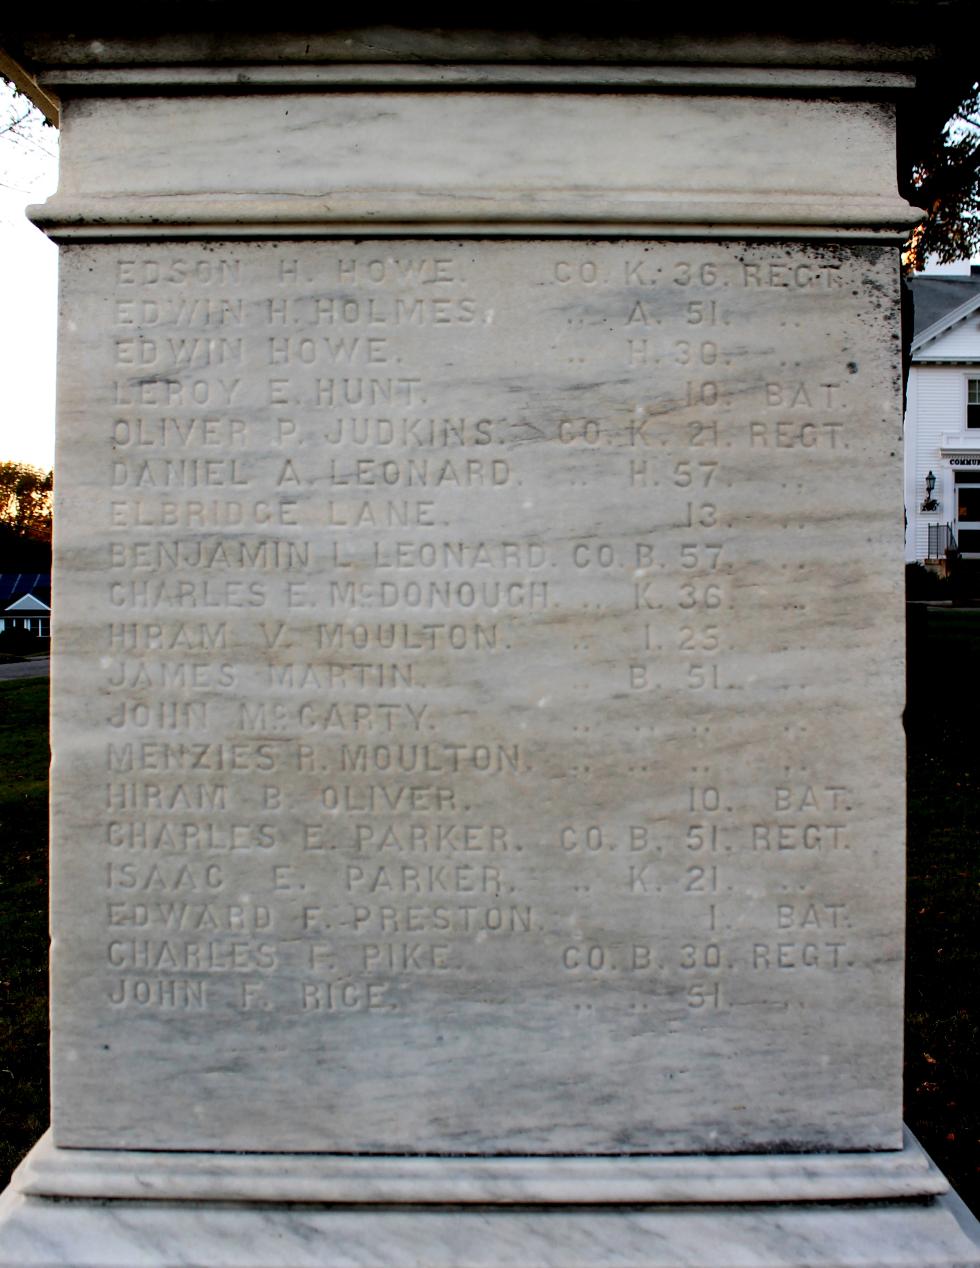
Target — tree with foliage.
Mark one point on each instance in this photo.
(17, 116)
(25, 501)
(23, 131)
(943, 176)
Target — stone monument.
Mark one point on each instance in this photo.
(478, 796)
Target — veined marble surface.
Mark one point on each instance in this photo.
(276, 164)
(224, 1177)
(477, 722)
(478, 693)
(266, 1213)
(35, 1233)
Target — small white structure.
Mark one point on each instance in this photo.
(942, 420)
(25, 603)
(29, 614)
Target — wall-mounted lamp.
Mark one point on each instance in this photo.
(930, 504)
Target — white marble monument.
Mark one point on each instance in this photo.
(478, 796)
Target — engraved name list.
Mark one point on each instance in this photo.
(476, 676)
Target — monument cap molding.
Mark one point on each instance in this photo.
(244, 76)
(458, 163)
(440, 213)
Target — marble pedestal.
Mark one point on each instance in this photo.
(478, 769)
(111, 1209)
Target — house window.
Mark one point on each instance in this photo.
(973, 403)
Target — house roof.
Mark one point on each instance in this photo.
(30, 603)
(15, 584)
(941, 303)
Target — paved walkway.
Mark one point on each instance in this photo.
(39, 668)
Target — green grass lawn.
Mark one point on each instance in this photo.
(942, 1037)
(943, 1030)
(23, 917)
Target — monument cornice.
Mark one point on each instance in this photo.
(458, 163)
(180, 45)
(445, 214)
(301, 76)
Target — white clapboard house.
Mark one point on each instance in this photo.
(942, 420)
(25, 603)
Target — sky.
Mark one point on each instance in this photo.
(28, 292)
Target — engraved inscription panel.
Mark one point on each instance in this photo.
(476, 666)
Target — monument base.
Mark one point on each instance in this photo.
(102, 1208)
